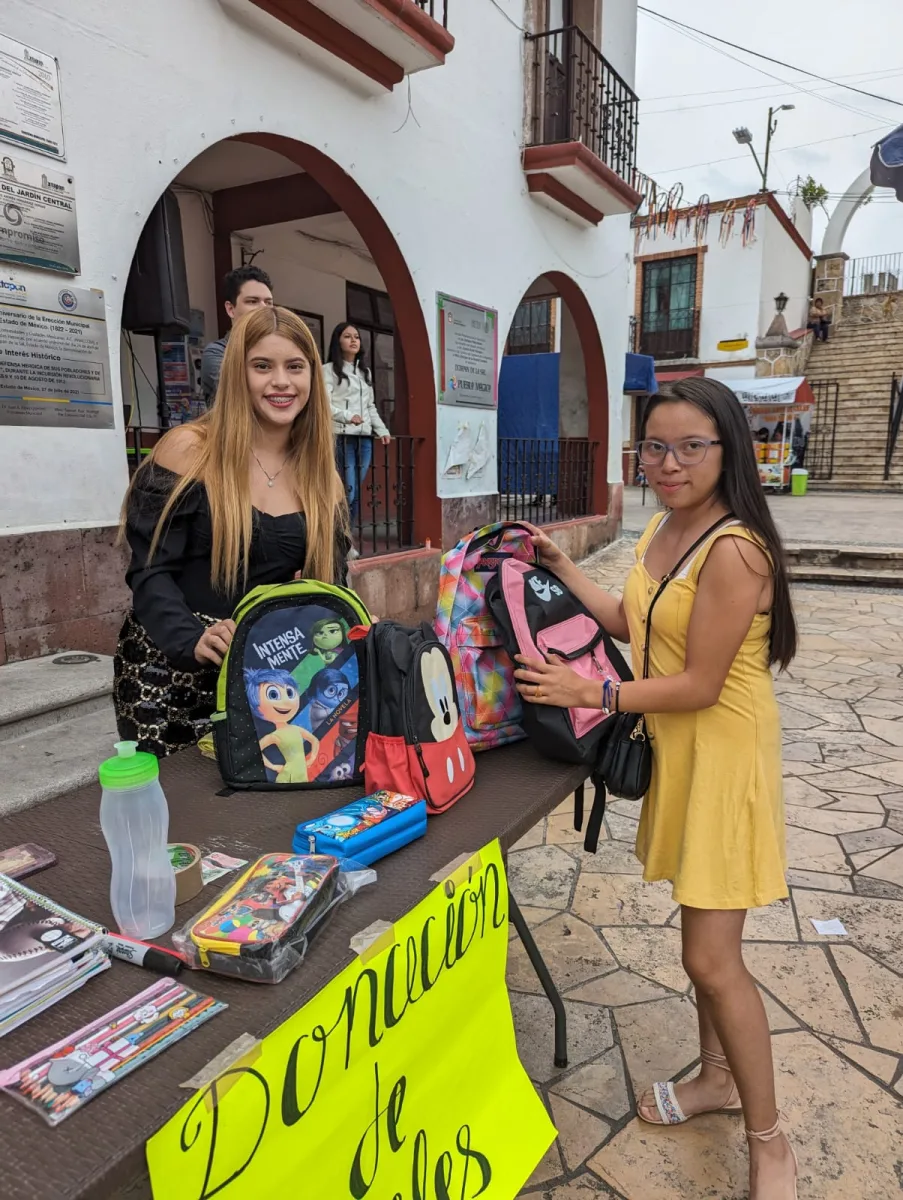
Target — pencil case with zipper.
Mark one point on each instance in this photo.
(364, 830)
(261, 926)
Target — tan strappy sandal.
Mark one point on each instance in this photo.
(777, 1130)
(667, 1104)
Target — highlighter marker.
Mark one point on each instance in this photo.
(142, 954)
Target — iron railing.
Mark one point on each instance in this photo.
(818, 449)
(894, 421)
(437, 9)
(875, 275)
(546, 479)
(578, 97)
(379, 480)
(666, 335)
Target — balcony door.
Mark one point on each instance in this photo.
(668, 321)
(558, 25)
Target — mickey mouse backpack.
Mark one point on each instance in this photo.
(416, 742)
(291, 695)
(468, 629)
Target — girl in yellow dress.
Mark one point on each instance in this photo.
(713, 820)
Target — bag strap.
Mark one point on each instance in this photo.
(666, 579)
(597, 812)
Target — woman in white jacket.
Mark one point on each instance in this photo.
(355, 416)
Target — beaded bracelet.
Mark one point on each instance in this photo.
(607, 694)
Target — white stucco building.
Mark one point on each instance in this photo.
(704, 284)
(366, 152)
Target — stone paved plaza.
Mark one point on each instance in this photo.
(858, 518)
(835, 1003)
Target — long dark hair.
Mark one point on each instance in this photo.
(335, 353)
(741, 491)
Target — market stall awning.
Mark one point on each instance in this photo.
(887, 162)
(781, 390)
(639, 374)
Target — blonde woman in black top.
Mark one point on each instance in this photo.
(248, 494)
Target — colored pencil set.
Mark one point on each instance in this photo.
(57, 1081)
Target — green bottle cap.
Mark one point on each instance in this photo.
(130, 768)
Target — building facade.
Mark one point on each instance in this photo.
(371, 157)
(705, 282)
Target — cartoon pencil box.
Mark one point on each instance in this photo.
(260, 927)
(364, 830)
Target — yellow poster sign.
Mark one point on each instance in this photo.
(398, 1081)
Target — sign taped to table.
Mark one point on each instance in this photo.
(468, 353)
(54, 356)
(37, 216)
(399, 1079)
(30, 110)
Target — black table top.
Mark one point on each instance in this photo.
(100, 1149)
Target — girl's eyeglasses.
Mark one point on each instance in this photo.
(689, 452)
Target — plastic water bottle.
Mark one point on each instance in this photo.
(134, 818)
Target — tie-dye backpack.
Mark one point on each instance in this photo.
(484, 672)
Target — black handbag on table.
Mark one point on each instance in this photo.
(626, 766)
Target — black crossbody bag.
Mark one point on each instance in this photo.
(626, 766)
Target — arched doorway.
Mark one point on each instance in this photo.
(553, 407)
(259, 191)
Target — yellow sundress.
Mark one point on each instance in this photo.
(713, 821)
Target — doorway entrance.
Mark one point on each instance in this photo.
(553, 408)
(293, 212)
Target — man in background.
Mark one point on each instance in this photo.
(246, 289)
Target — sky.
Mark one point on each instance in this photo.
(693, 96)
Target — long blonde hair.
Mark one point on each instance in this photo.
(224, 438)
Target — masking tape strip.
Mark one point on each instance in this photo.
(460, 870)
(378, 936)
(245, 1050)
(189, 879)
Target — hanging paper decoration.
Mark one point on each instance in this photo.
(674, 198)
(748, 232)
(727, 222)
(703, 212)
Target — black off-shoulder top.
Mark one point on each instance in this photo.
(175, 585)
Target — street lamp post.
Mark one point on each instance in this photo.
(743, 137)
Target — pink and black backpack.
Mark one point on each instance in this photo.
(539, 616)
(484, 671)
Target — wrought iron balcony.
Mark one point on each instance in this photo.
(437, 9)
(373, 43)
(576, 99)
(667, 335)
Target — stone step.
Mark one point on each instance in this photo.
(42, 692)
(49, 761)
(848, 557)
(858, 483)
(846, 576)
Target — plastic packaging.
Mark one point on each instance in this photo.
(260, 928)
(135, 820)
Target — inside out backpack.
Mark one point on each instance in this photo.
(484, 671)
(291, 695)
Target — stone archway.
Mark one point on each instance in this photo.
(844, 211)
(597, 397)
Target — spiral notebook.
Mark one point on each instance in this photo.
(46, 952)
